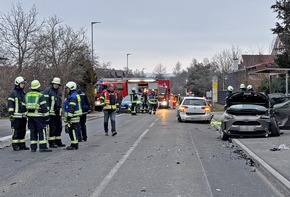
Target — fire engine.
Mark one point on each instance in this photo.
(124, 87)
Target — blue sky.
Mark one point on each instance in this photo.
(163, 31)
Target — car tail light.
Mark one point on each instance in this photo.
(182, 108)
(206, 108)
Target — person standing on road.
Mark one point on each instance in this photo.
(73, 111)
(85, 105)
(144, 99)
(17, 114)
(153, 102)
(109, 103)
(53, 97)
(38, 117)
(134, 99)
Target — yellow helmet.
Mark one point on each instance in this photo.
(35, 85)
(56, 80)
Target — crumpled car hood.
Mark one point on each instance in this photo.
(254, 98)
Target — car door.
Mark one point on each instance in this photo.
(282, 114)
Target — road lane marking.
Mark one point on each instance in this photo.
(156, 119)
(114, 170)
(198, 157)
(151, 124)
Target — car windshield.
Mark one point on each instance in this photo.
(195, 102)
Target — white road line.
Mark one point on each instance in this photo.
(151, 124)
(111, 174)
(198, 157)
(156, 119)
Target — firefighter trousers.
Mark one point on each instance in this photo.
(73, 131)
(37, 128)
(55, 128)
(18, 126)
(82, 135)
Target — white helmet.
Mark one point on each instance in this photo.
(242, 86)
(133, 89)
(249, 87)
(230, 88)
(71, 85)
(56, 80)
(19, 80)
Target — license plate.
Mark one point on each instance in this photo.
(246, 128)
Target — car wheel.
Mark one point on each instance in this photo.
(223, 135)
(179, 118)
(275, 131)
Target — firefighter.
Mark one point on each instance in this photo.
(230, 90)
(153, 102)
(53, 97)
(85, 105)
(17, 112)
(110, 104)
(144, 99)
(38, 117)
(134, 99)
(73, 111)
(173, 100)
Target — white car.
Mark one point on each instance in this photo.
(193, 109)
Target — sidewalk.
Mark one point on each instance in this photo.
(273, 164)
(5, 137)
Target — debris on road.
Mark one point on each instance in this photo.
(283, 147)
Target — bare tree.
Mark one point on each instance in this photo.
(17, 33)
(177, 69)
(159, 71)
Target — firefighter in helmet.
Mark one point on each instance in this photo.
(153, 102)
(53, 97)
(38, 117)
(134, 99)
(17, 112)
(73, 111)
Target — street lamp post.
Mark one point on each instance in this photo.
(92, 31)
(127, 63)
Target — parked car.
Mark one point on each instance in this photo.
(126, 104)
(248, 114)
(193, 109)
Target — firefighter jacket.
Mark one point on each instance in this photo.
(72, 108)
(53, 100)
(16, 103)
(133, 97)
(36, 104)
(144, 98)
(153, 99)
(109, 100)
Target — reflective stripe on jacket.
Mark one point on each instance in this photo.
(53, 100)
(72, 107)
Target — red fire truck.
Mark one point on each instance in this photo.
(124, 87)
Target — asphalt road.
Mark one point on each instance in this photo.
(152, 155)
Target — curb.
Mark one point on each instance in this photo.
(278, 180)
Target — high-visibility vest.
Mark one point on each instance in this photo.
(106, 100)
(34, 101)
(16, 104)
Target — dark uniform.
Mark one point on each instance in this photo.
(54, 102)
(144, 99)
(17, 112)
(134, 99)
(153, 102)
(73, 111)
(38, 116)
(85, 105)
(109, 101)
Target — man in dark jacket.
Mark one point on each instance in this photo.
(85, 105)
(53, 97)
(17, 112)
